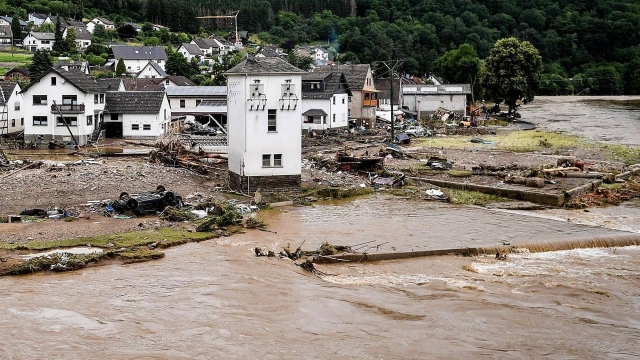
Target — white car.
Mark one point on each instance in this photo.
(417, 131)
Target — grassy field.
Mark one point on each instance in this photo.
(529, 141)
(17, 57)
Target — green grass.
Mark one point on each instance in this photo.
(464, 197)
(17, 57)
(165, 237)
(614, 186)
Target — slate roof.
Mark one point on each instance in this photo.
(139, 52)
(355, 74)
(143, 84)
(156, 67)
(109, 84)
(43, 36)
(196, 91)
(39, 16)
(77, 78)
(206, 43)
(7, 88)
(192, 49)
(134, 102)
(54, 20)
(9, 19)
(6, 31)
(23, 71)
(180, 80)
(314, 112)
(82, 33)
(273, 65)
(332, 83)
(104, 21)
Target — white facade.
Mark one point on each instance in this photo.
(31, 43)
(91, 25)
(134, 66)
(336, 107)
(36, 20)
(187, 55)
(12, 113)
(250, 134)
(81, 110)
(427, 99)
(150, 72)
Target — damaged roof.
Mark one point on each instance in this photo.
(333, 83)
(109, 84)
(355, 74)
(134, 102)
(142, 84)
(268, 65)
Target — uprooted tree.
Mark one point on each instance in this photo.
(512, 73)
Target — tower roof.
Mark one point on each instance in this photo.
(273, 65)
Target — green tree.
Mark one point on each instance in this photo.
(120, 67)
(96, 49)
(604, 80)
(99, 33)
(71, 40)
(47, 28)
(59, 44)
(301, 62)
(41, 62)
(178, 65)
(459, 66)
(15, 28)
(512, 72)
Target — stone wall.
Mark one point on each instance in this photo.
(281, 184)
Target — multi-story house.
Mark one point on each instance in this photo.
(137, 57)
(190, 51)
(38, 41)
(325, 101)
(265, 141)
(11, 108)
(108, 24)
(62, 105)
(137, 114)
(364, 99)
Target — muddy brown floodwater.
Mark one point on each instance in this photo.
(216, 300)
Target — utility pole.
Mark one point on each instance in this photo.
(392, 65)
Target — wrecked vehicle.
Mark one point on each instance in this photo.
(417, 131)
(148, 202)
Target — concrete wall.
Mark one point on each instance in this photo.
(428, 104)
(249, 137)
(283, 184)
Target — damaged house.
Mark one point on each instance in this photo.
(427, 99)
(137, 114)
(265, 141)
(325, 101)
(11, 109)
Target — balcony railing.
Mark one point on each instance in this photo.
(370, 102)
(67, 108)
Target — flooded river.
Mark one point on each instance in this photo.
(614, 119)
(216, 300)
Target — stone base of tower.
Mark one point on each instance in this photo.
(281, 184)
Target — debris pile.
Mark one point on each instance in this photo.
(174, 153)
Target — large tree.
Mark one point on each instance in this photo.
(71, 40)
(460, 66)
(512, 73)
(59, 44)
(41, 62)
(121, 68)
(178, 65)
(15, 28)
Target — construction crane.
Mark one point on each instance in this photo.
(238, 43)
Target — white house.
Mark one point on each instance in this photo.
(6, 20)
(38, 41)
(137, 57)
(61, 98)
(108, 24)
(67, 65)
(11, 108)
(152, 71)
(192, 96)
(36, 18)
(325, 101)
(426, 99)
(190, 51)
(83, 37)
(263, 96)
(213, 46)
(138, 114)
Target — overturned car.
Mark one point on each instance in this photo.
(148, 202)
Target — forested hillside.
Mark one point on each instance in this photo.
(584, 43)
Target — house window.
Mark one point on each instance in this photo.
(89, 119)
(166, 82)
(95, 98)
(16, 105)
(146, 127)
(101, 98)
(69, 120)
(182, 103)
(334, 117)
(165, 114)
(198, 101)
(53, 81)
(334, 100)
(138, 68)
(135, 127)
(266, 160)
(39, 121)
(315, 86)
(277, 160)
(271, 122)
(21, 121)
(13, 122)
(114, 117)
(309, 120)
(343, 99)
(39, 99)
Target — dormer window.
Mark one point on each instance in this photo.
(315, 86)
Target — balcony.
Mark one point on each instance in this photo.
(67, 108)
(373, 102)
